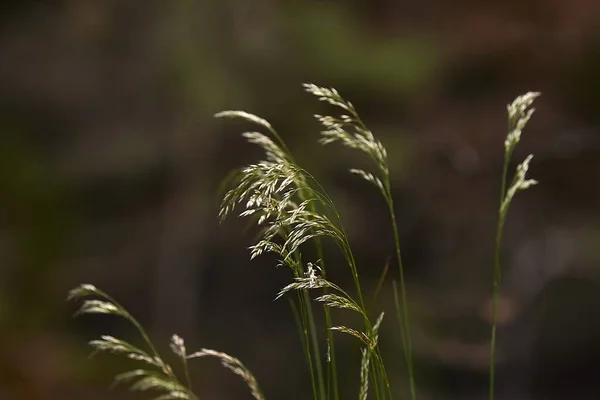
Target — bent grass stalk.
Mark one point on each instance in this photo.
(292, 209)
(519, 113)
(350, 130)
(281, 156)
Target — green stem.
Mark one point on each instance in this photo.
(186, 372)
(354, 270)
(383, 372)
(378, 373)
(311, 339)
(332, 364)
(310, 334)
(282, 144)
(301, 324)
(332, 378)
(497, 273)
(374, 373)
(495, 296)
(315, 343)
(401, 323)
(131, 319)
(405, 325)
(380, 281)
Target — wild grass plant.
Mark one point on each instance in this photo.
(293, 210)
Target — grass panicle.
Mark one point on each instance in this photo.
(519, 113)
(275, 191)
(235, 366)
(156, 374)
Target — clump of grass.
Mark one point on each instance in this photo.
(155, 374)
(291, 209)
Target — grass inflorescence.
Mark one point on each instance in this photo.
(291, 210)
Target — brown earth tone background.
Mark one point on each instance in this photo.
(111, 161)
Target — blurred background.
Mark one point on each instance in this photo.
(111, 164)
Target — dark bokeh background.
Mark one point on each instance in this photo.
(110, 165)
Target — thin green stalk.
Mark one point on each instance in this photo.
(332, 366)
(331, 356)
(332, 370)
(368, 326)
(381, 280)
(399, 318)
(186, 372)
(281, 143)
(311, 338)
(134, 321)
(347, 250)
(374, 374)
(497, 274)
(402, 328)
(387, 193)
(315, 343)
(351, 262)
(301, 325)
(405, 325)
(332, 378)
(383, 372)
(354, 270)
(495, 296)
(309, 326)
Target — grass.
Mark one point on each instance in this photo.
(292, 210)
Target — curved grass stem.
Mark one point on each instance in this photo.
(402, 306)
(497, 274)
